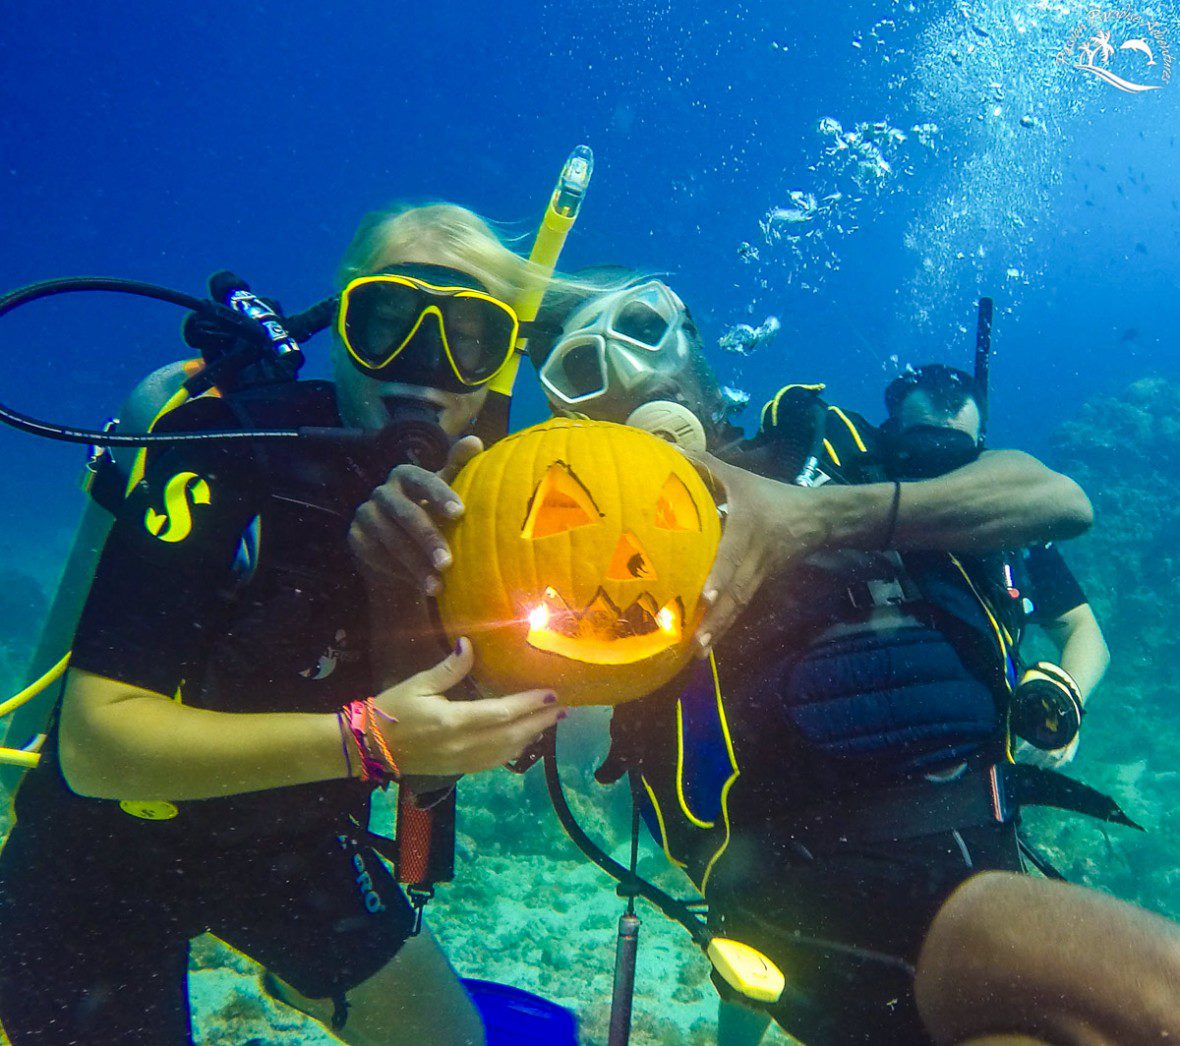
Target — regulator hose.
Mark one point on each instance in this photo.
(304, 325)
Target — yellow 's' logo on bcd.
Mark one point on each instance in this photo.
(175, 523)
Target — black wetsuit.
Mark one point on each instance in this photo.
(834, 770)
(226, 580)
(864, 750)
(848, 832)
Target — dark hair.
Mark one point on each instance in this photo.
(948, 388)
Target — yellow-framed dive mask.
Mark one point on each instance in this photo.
(427, 325)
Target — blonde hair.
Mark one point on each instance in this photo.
(447, 234)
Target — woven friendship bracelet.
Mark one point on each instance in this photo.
(361, 719)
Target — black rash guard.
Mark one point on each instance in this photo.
(227, 584)
(1055, 590)
(227, 580)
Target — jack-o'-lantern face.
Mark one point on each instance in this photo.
(604, 631)
(579, 561)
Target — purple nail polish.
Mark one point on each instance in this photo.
(562, 714)
(459, 648)
(550, 699)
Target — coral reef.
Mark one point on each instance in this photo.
(1125, 451)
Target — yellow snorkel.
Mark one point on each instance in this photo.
(560, 215)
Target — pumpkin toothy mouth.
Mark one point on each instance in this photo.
(602, 633)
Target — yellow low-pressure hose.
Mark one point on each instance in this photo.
(21, 756)
(35, 687)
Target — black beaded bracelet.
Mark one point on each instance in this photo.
(891, 527)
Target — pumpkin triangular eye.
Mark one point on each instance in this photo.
(630, 562)
(675, 508)
(560, 503)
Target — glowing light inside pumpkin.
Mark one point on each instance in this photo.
(602, 633)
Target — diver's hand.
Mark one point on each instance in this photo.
(434, 736)
(395, 534)
(768, 525)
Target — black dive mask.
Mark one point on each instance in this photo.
(926, 451)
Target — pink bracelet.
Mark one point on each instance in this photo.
(360, 718)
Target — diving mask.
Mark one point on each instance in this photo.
(622, 349)
(427, 325)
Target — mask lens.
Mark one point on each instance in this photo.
(640, 323)
(480, 335)
(575, 371)
(378, 317)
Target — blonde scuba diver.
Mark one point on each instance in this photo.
(227, 808)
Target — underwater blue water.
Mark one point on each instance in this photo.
(164, 141)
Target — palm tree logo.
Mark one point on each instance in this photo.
(1097, 52)
(1098, 45)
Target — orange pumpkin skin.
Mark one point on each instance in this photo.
(579, 561)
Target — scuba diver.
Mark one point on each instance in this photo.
(936, 423)
(838, 766)
(239, 686)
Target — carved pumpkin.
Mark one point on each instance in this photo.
(579, 561)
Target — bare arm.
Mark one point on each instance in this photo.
(1081, 647)
(120, 741)
(123, 742)
(1006, 499)
(1010, 955)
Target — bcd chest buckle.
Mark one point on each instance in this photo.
(878, 592)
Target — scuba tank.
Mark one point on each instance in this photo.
(243, 342)
(137, 413)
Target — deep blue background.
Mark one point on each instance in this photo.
(163, 142)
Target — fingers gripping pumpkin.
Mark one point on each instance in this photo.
(579, 561)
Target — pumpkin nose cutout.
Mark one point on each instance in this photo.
(630, 562)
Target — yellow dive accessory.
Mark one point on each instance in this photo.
(28, 756)
(562, 211)
(746, 970)
(426, 325)
(560, 215)
(1047, 707)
